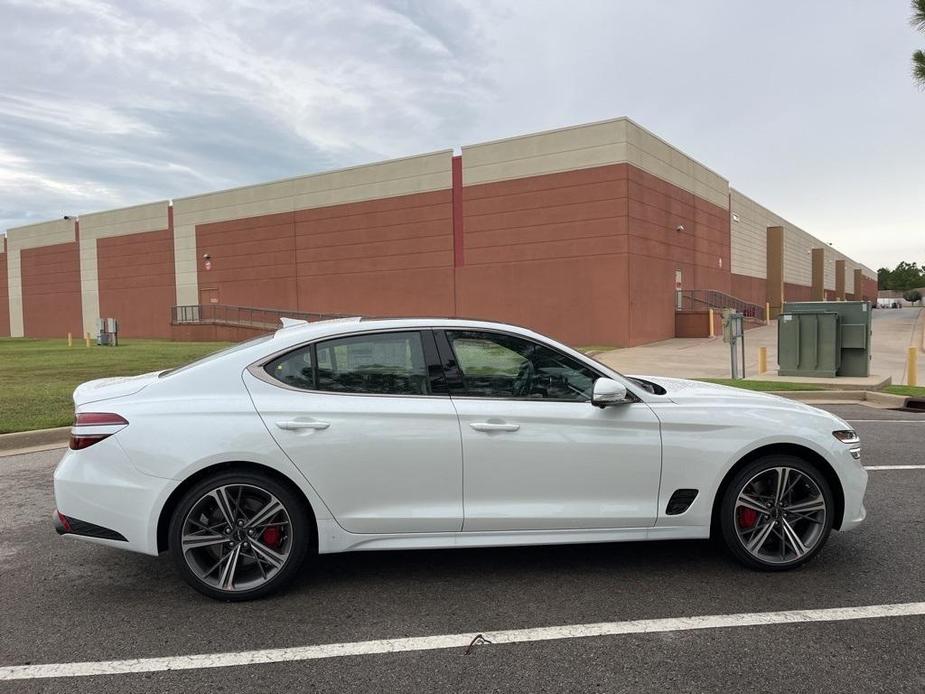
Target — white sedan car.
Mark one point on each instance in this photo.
(361, 434)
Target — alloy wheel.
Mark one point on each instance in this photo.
(780, 515)
(236, 537)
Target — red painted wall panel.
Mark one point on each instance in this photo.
(550, 253)
(51, 291)
(797, 292)
(392, 256)
(702, 250)
(753, 289)
(657, 249)
(137, 282)
(252, 262)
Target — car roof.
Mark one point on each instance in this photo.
(309, 330)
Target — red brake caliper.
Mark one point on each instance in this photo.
(747, 517)
(272, 536)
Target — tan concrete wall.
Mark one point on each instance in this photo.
(26, 237)
(4, 291)
(618, 141)
(102, 225)
(397, 177)
(750, 221)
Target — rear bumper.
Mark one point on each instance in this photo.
(74, 526)
(101, 497)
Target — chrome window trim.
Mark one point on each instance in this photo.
(256, 368)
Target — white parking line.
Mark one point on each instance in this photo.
(894, 467)
(888, 421)
(427, 643)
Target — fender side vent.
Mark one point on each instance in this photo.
(680, 501)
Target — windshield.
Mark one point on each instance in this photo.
(220, 353)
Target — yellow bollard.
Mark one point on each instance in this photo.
(710, 315)
(70, 340)
(912, 367)
(87, 340)
(762, 360)
(767, 313)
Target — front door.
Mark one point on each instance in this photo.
(536, 453)
(360, 416)
(208, 295)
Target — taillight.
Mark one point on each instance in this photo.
(78, 442)
(99, 419)
(96, 427)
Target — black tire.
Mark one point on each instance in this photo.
(298, 535)
(731, 523)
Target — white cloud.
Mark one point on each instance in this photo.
(804, 106)
(112, 101)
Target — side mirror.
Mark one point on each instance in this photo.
(608, 392)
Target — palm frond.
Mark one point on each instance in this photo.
(918, 15)
(918, 67)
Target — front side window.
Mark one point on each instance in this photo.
(382, 364)
(496, 365)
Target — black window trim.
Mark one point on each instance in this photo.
(429, 346)
(454, 373)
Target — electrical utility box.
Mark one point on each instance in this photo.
(824, 338)
(108, 332)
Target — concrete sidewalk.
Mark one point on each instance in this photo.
(893, 331)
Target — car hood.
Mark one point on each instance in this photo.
(108, 388)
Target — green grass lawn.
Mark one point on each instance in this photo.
(37, 377)
(768, 385)
(760, 385)
(917, 391)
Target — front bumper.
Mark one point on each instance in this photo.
(116, 504)
(853, 479)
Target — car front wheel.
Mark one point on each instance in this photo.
(239, 536)
(777, 513)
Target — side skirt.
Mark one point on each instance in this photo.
(332, 538)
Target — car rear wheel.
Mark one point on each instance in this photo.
(777, 513)
(239, 536)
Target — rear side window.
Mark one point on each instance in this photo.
(377, 364)
(294, 369)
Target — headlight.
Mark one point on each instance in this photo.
(847, 436)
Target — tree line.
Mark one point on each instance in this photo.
(908, 278)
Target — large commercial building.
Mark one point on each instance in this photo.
(586, 233)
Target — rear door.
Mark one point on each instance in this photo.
(368, 420)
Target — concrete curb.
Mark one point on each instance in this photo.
(40, 438)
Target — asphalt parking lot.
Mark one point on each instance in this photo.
(62, 601)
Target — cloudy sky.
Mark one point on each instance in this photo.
(808, 107)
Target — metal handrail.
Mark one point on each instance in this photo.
(241, 316)
(700, 299)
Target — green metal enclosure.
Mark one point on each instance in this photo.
(824, 338)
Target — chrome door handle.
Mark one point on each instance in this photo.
(493, 426)
(295, 426)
